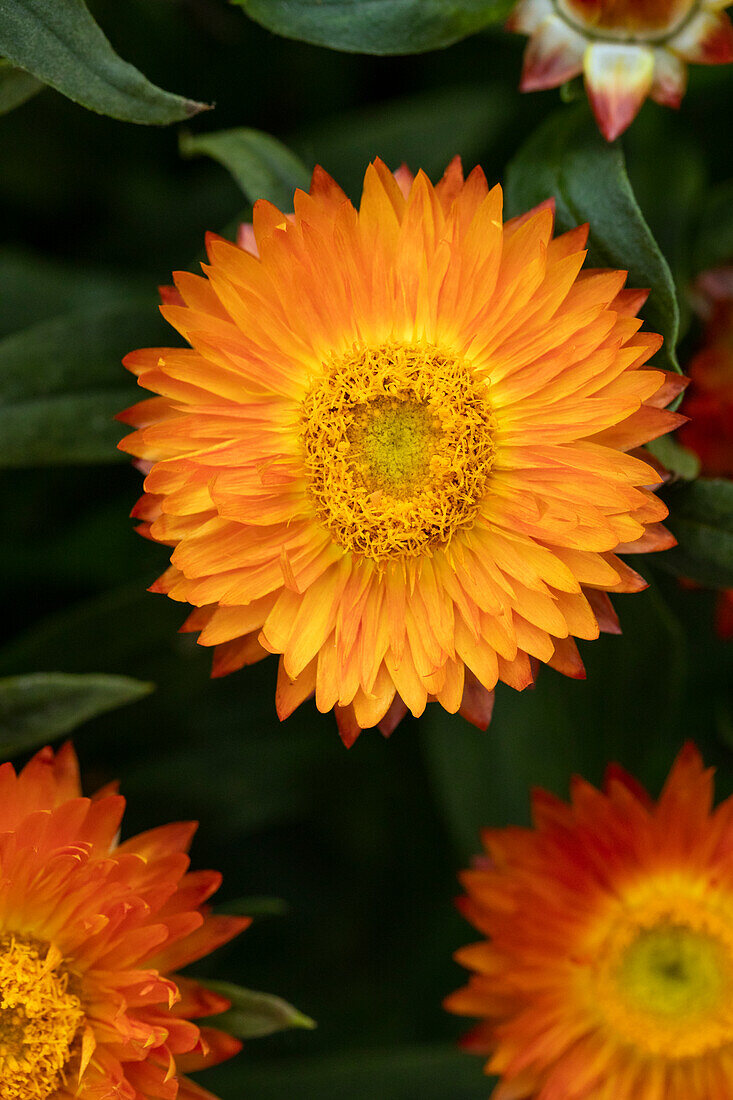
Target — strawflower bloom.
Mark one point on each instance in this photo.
(394, 452)
(607, 968)
(709, 401)
(91, 932)
(627, 49)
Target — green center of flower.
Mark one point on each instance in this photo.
(662, 976)
(627, 19)
(673, 971)
(398, 443)
(392, 442)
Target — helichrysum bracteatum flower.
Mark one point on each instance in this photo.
(396, 451)
(627, 49)
(606, 968)
(92, 932)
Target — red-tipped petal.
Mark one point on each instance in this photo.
(554, 55)
(618, 78)
(670, 79)
(706, 40)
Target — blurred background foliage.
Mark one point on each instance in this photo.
(356, 851)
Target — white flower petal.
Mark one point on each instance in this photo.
(554, 55)
(707, 39)
(528, 15)
(670, 78)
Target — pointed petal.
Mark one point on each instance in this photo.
(670, 79)
(554, 55)
(707, 39)
(618, 78)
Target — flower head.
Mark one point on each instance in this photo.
(90, 933)
(394, 453)
(627, 49)
(607, 972)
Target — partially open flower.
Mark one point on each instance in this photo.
(606, 967)
(627, 49)
(394, 453)
(91, 933)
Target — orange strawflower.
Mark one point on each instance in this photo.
(394, 453)
(627, 49)
(607, 972)
(709, 401)
(90, 931)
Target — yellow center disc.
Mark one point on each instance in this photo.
(398, 444)
(663, 976)
(40, 1020)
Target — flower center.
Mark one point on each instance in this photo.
(627, 19)
(664, 981)
(398, 444)
(40, 1020)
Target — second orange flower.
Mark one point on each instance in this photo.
(395, 452)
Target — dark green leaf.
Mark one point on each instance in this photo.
(715, 234)
(36, 287)
(677, 459)
(253, 1015)
(42, 706)
(567, 158)
(61, 44)
(701, 519)
(55, 431)
(16, 86)
(435, 1072)
(61, 384)
(378, 26)
(262, 166)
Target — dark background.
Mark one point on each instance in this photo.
(363, 846)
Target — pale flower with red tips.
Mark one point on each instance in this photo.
(92, 932)
(627, 50)
(396, 451)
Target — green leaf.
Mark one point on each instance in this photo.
(61, 45)
(61, 384)
(253, 1015)
(16, 86)
(715, 232)
(679, 460)
(377, 26)
(567, 158)
(430, 1072)
(42, 706)
(262, 166)
(701, 519)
